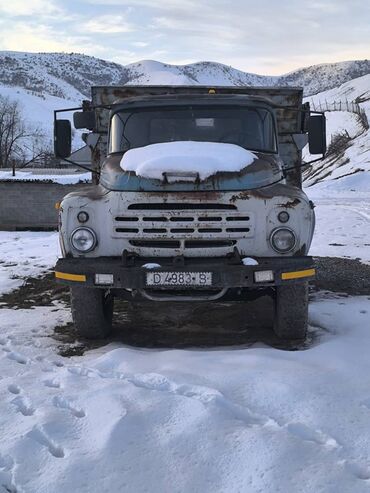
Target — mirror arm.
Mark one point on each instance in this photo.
(313, 161)
(81, 166)
(291, 168)
(64, 110)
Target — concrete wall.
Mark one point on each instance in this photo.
(31, 205)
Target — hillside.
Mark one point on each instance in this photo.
(43, 82)
(69, 76)
(347, 164)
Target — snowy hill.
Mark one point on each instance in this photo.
(69, 76)
(43, 82)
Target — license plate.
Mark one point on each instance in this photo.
(179, 279)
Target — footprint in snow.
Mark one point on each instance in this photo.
(6, 474)
(59, 364)
(84, 372)
(63, 403)
(361, 471)
(19, 358)
(14, 389)
(205, 395)
(39, 435)
(302, 431)
(153, 381)
(52, 383)
(24, 405)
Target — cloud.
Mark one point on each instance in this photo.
(21, 36)
(140, 44)
(108, 24)
(264, 37)
(28, 7)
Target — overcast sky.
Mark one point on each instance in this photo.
(262, 36)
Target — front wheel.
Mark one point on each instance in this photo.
(291, 311)
(92, 312)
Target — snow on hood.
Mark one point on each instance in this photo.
(204, 158)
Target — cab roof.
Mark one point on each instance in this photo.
(191, 99)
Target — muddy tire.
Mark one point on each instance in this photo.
(291, 311)
(92, 312)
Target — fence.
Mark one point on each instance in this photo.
(31, 205)
(350, 106)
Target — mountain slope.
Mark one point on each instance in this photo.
(70, 75)
(43, 82)
(348, 160)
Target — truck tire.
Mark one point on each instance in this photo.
(92, 312)
(291, 311)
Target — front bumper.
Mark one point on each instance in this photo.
(225, 274)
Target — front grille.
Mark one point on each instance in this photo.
(180, 206)
(209, 243)
(183, 225)
(155, 243)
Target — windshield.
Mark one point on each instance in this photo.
(249, 127)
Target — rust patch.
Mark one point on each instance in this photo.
(290, 205)
(241, 196)
(270, 192)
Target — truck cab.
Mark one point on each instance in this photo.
(198, 197)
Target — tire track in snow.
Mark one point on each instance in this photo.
(357, 210)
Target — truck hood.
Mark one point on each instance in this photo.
(186, 160)
(264, 170)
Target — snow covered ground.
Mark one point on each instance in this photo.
(122, 419)
(63, 179)
(254, 419)
(343, 219)
(25, 254)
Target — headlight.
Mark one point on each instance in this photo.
(83, 239)
(283, 240)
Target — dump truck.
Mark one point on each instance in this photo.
(167, 231)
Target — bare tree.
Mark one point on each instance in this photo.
(19, 142)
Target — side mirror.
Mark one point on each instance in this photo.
(317, 134)
(62, 138)
(84, 119)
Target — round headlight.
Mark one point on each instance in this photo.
(283, 240)
(82, 217)
(83, 239)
